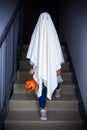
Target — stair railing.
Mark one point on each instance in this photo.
(11, 39)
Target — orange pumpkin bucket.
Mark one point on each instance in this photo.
(30, 85)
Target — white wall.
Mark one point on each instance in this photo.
(74, 32)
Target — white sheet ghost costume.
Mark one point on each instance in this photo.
(45, 54)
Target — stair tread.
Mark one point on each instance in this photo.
(30, 101)
(25, 47)
(27, 61)
(52, 115)
(27, 96)
(66, 87)
(64, 83)
(23, 56)
(21, 82)
(25, 73)
(24, 64)
(25, 53)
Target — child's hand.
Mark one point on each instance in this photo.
(58, 72)
(31, 72)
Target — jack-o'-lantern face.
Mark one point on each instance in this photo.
(30, 85)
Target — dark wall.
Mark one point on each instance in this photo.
(32, 10)
(28, 20)
(74, 32)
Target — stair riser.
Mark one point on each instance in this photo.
(65, 89)
(43, 126)
(25, 76)
(25, 48)
(33, 105)
(56, 120)
(23, 56)
(51, 114)
(25, 65)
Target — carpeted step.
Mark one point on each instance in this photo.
(29, 101)
(25, 120)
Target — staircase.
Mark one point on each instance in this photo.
(24, 111)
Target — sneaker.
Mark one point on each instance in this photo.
(58, 93)
(43, 115)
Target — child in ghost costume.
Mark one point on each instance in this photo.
(46, 57)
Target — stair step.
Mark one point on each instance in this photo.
(62, 112)
(48, 125)
(30, 102)
(32, 96)
(67, 76)
(56, 120)
(25, 47)
(23, 56)
(34, 116)
(24, 64)
(65, 88)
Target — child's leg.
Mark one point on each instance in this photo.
(42, 99)
(42, 103)
(58, 91)
(58, 86)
